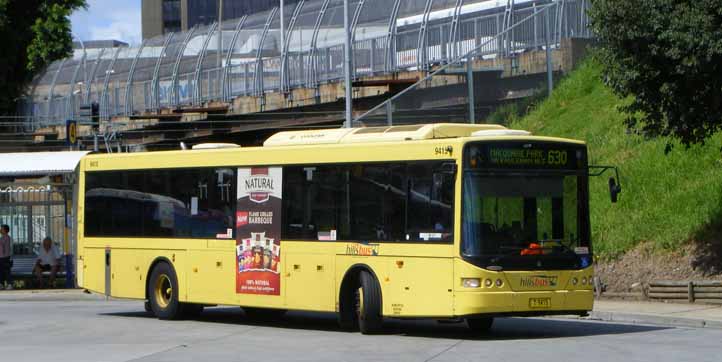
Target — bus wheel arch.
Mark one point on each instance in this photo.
(360, 287)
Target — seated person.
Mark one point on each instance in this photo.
(48, 260)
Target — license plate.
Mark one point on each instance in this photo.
(540, 302)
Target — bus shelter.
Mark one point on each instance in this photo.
(36, 201)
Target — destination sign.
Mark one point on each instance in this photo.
(525, 155)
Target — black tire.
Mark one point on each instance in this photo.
(480, 325)
(147, 307)
(263, 314)
(368, 307)
(163, 292)
(347, 302)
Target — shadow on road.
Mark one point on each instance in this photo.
(503, 329)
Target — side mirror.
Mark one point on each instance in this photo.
(614, 189)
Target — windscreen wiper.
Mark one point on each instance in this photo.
(515, 250)
(562, 246)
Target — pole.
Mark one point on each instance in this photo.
(283, 45)
(347, 64)
(283, 28)
(470, 85)
(550, 80)
(219, 50)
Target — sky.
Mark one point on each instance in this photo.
(108, 20)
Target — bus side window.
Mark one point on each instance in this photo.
(161, 202)
(314, 203)
(394, 201)
(431, 201)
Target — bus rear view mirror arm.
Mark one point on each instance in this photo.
(615, 186)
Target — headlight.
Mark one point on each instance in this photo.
(499, 283)
(575, 281)
(584, 280)
(488, 283)
(470, 282)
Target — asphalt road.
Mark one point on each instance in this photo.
(92, 329)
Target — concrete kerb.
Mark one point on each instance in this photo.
(47, 295)
(653, 319)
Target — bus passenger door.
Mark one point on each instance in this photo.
(308, 280)
(94, 269)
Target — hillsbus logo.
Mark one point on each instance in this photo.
(538, 281)
(363, 250)
(259, 185)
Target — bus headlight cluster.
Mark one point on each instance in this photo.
(585, 280)
(470, 282)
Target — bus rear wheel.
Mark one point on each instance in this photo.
(480, 325)
(368, 304)
(163, 292)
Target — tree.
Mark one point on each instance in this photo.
(666, 56)
(33, 34)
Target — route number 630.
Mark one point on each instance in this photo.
(557, 157)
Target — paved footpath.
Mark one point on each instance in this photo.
(672, 314)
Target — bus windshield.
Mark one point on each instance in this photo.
(525, 219)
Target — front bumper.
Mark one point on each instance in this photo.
(510, 303)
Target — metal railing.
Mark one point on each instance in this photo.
(181, 69)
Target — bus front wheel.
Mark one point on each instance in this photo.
(163, 292)
(368, 304)
(480, 325)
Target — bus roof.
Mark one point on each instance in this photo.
(389, 135)
(381, 134)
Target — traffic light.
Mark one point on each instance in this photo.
(95, 114)
(91, 112)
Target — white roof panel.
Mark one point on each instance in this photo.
(39, 163)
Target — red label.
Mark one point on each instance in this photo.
(258, 282)
(241, 218)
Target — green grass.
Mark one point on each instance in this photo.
(667, 200)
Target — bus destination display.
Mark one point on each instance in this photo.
(523, 155)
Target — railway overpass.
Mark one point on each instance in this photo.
(241, 79)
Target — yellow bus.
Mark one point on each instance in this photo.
(452, 222)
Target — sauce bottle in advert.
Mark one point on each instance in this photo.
(257, 261)
(247, 259)
(267, 257)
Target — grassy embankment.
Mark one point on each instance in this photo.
(667, 200)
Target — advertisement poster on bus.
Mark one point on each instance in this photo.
(258, 230)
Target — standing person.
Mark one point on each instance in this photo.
(48, 260)
(6, 244)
